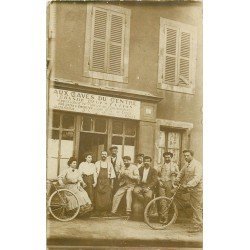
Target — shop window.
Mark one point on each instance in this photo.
(129, 141)
(94, 124)
(56, 120)
(130, 128)
(177, 56)
(60, 142)
(68, 121)
(117, 127)
(100, 125)
(67, 135)
(87, 123)
(117, 140)
(55, 134)
(107, 42)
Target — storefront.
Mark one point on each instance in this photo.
(85, 122)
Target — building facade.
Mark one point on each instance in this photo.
(126, 74)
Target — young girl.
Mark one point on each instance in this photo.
(71, 179)
(89, 175)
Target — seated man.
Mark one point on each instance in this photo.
(148, 181)
(128, 177)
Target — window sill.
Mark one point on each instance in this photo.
(173, 88)
(106, 76)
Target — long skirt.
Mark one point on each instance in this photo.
(89, 180)
(80, 193)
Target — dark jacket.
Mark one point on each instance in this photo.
(152, 178)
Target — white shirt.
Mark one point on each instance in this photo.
(87, 168)
(145, 175)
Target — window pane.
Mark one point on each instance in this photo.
(117, 127)
(100, 125)
(87, 123)
(52, 167)
(56, 120)
(162, 139)
(53, 144)
(173, 140)
(130, 151)
(67, 135)
(54, 134)
(129, 141)
(68, 121)
(117, 140)
(130, 128)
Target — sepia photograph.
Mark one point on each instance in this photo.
(124, 147)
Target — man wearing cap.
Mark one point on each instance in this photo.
(128, 177)
(190, 177)
(168, 170)
(139, 160)
(148, 181)
(117, 163)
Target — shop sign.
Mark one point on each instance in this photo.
(94, 104)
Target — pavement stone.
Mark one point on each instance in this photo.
(119, 232)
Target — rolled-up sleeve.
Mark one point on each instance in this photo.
(197, 176)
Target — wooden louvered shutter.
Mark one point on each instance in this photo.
(116, 44)
(184, 58)
(52, 20)
(98, 58)
(171, 49)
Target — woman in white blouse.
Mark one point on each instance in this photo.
(71, 179)
(89, 175)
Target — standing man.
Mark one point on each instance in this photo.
(105, 177)
(148, 181)
(117, 164)
(191, 178)
(168, 171)
(128, 177)
(139, 160)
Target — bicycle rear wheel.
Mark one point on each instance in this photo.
(153, 214)
(63, 205)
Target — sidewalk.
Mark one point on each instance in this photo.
(118, 232)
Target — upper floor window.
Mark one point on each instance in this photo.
(177, 56)
(107, 42)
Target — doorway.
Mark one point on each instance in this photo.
(92, 143)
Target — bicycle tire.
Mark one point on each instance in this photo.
(160, 226)
(64, 205)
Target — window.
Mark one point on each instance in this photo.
(177, 56)
(123, 136)
(60, 142)
(170, 141)
(107, 42)
(93, 124)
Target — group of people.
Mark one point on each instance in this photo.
(101, 186)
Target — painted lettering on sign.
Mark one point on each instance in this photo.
(94, 104)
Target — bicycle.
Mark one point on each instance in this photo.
(61, 201)
(152, 213)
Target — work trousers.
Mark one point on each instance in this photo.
(143, 194)
(196, 197)
(165, 191)
(128, 189)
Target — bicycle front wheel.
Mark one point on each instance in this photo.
(160, 213)
(63, 205)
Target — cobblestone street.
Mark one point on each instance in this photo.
(119, 232)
